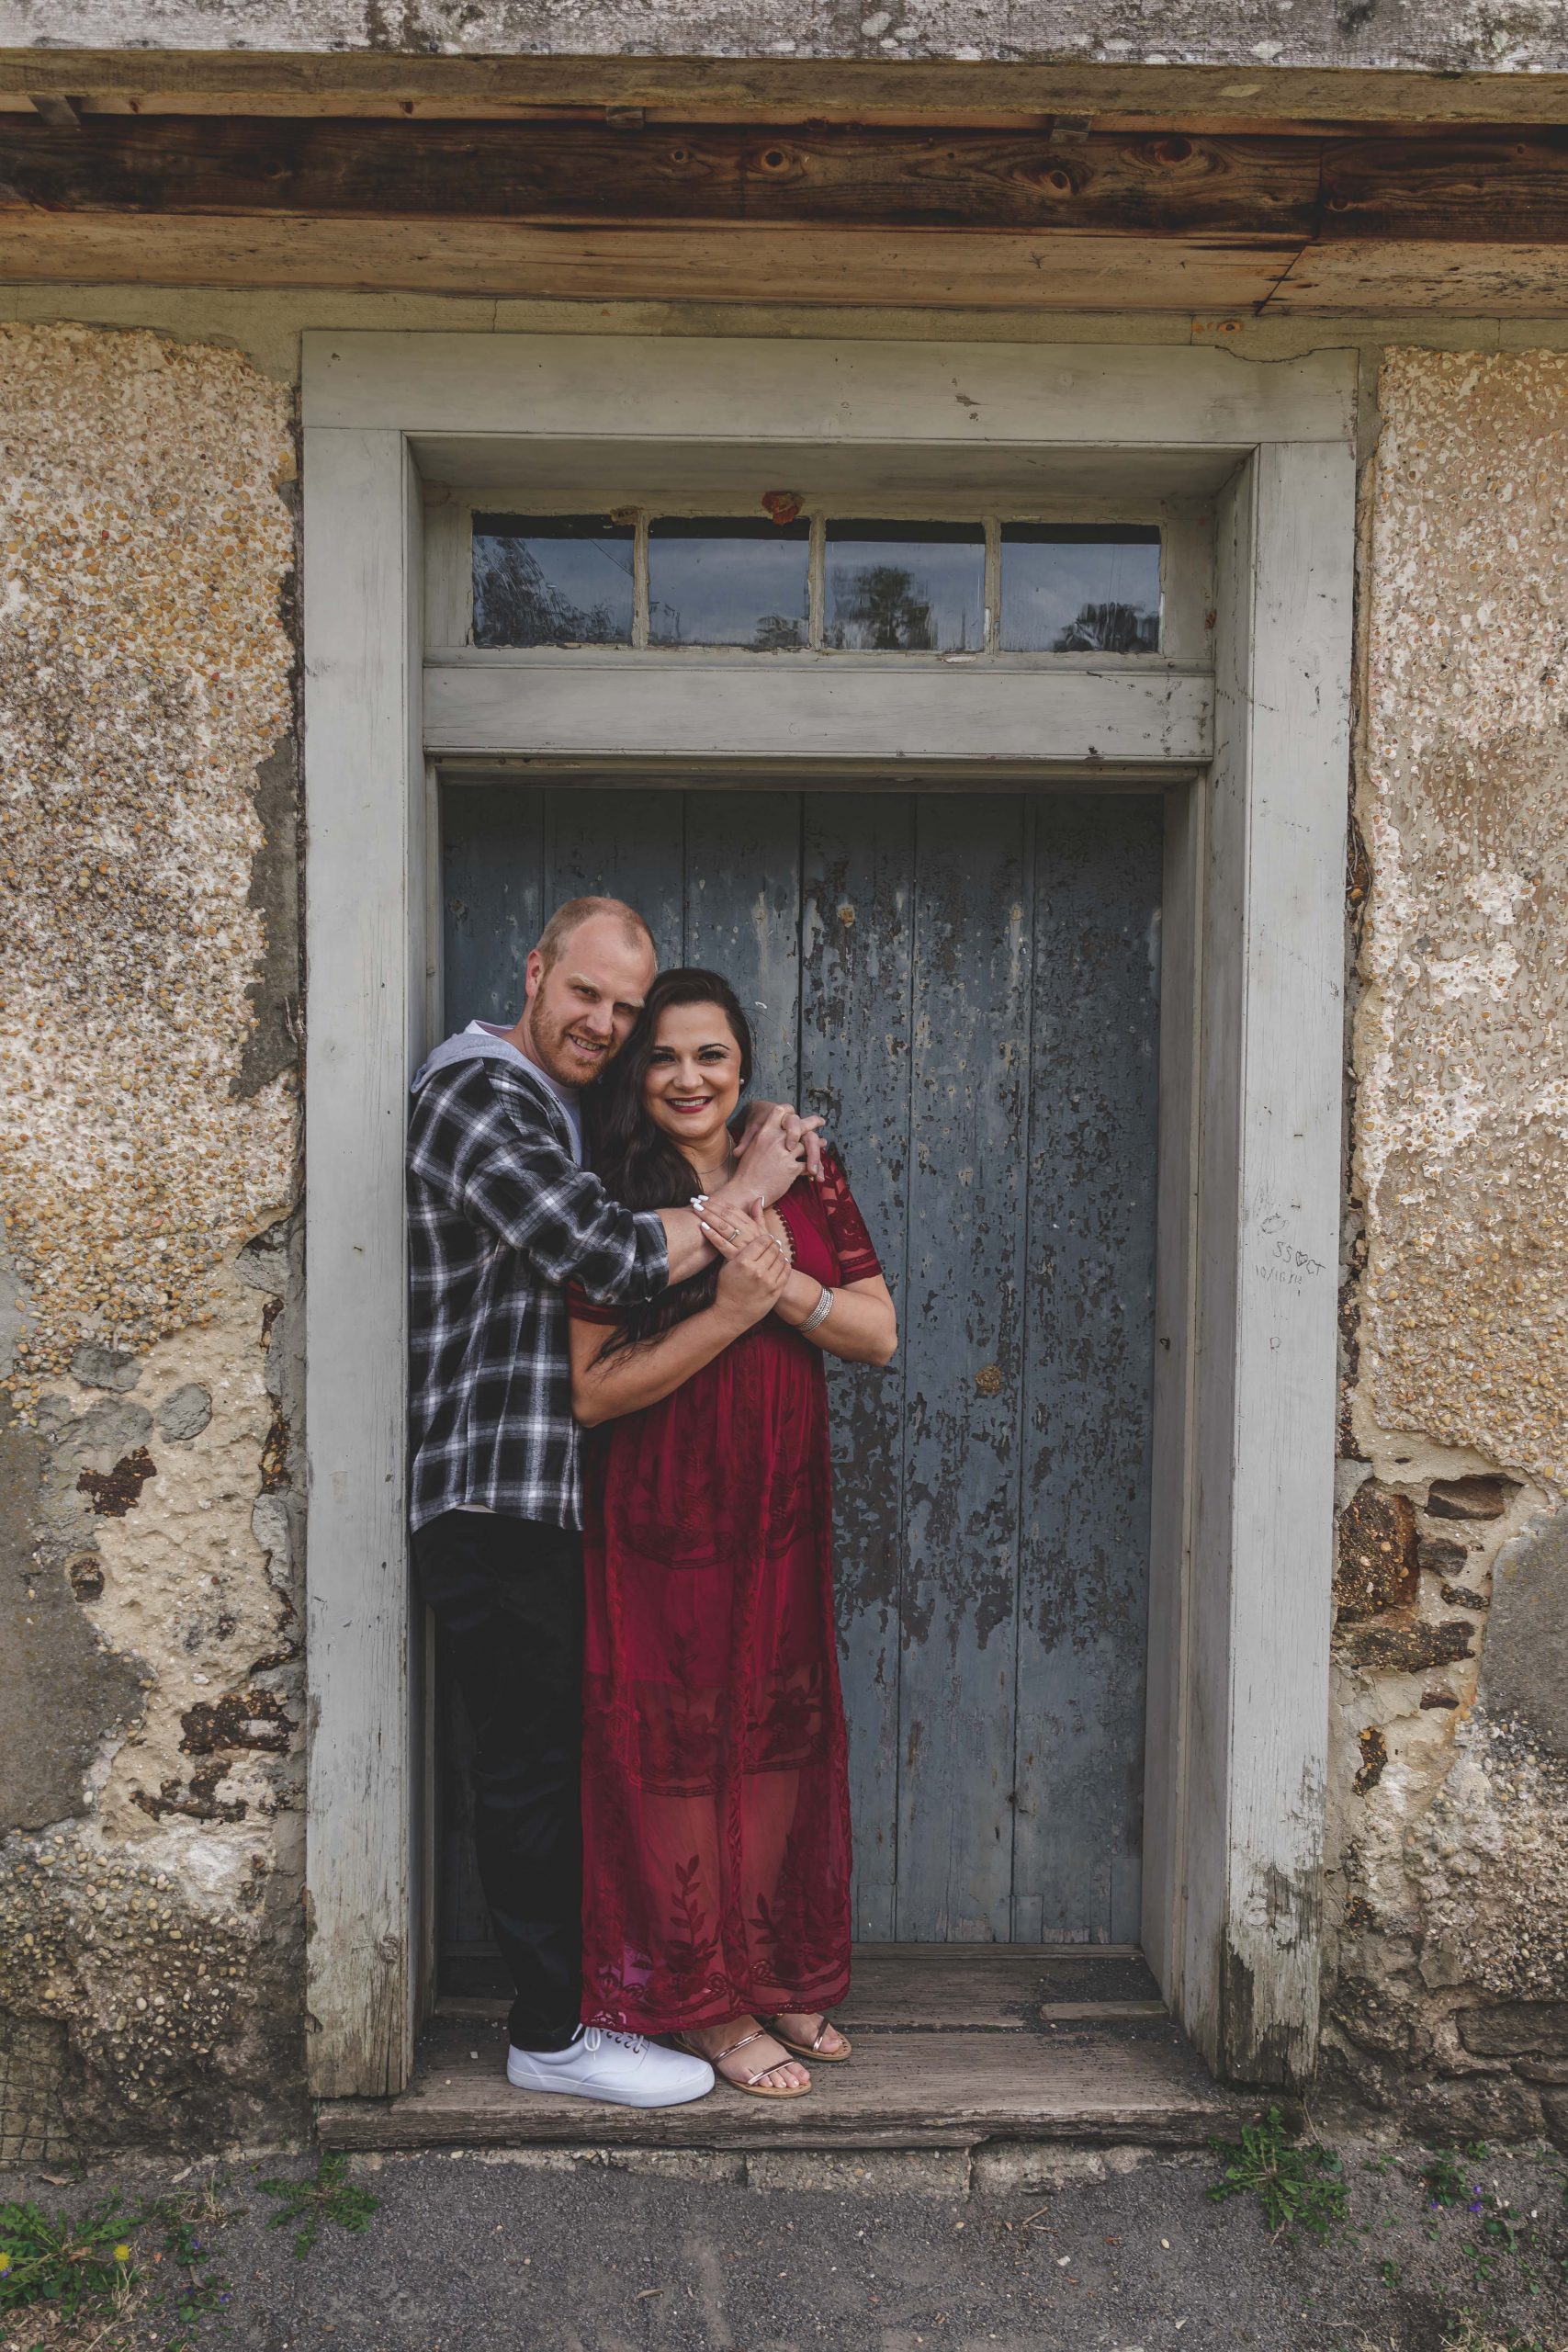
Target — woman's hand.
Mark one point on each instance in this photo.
(755, 1268)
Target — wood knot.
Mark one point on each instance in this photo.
(989, 1380)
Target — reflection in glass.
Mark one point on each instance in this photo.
(714, 582)
(1081, 588)
(553, 580)
(905, 587)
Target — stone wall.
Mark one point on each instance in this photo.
(151, 1982)
(1449, 1832)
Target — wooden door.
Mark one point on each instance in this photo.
(967, 985)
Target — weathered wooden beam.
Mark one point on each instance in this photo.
(1267, 193)
(944, 269)
(1449, 187)
(773, 88)
(934, 270)
(1260, 189)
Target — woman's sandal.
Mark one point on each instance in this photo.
(812, 2049)
(752, 2084)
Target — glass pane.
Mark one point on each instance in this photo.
(714, 582)
(905, 587)
(553, 580)
(1081, 588)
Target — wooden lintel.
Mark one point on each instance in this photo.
(932, 268)
(768, 88)
(1264, 190)
(1267, 194)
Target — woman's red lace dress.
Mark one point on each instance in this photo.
(715, 1783)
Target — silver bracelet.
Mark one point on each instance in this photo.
(819, 1312)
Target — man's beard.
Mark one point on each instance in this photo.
(557, 1055)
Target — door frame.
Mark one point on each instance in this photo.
(1251, 1080)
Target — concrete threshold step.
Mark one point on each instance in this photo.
(1101, 2083)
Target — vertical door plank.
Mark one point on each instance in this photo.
(491, 897)
(1083, 1602)
(964, 1366)
(627, 845)
(856, 903)
(743, 918)
(1170, 1486)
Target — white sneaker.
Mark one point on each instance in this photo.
(624, 2068)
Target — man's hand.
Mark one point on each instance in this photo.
(767, 1165)
(795, 1130)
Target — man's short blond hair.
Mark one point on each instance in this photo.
(553, 939)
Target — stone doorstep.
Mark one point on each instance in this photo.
(962, 2092)
(995, 2169)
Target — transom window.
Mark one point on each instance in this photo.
(821, 582)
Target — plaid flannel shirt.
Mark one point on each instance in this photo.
(500, 1217)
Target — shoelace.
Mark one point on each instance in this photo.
(594, 2036)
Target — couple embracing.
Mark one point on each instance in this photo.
(623, 1286)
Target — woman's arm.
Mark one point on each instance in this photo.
(604, 1387)
(862, 1326)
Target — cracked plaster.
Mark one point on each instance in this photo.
(1461, 1040)
(144, 678)
(1449, 1875)
(151, 1860)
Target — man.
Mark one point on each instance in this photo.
(502, 1214)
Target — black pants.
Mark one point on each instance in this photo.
(507, 1596)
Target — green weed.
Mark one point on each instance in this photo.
(1447, 2177)
(325, 2195)
(1299, 2187)
(62, 2263)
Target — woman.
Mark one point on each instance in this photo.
(715, 1794)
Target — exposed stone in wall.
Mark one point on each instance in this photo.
(1379, 1567)
(151, 1935)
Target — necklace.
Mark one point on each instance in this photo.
(725, 1167)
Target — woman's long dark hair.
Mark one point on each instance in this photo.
(642, 1165)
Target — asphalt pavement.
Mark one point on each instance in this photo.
(560, 2252)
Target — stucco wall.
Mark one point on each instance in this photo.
(1491, 34)
(149, 1014)
(1451, 1826)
